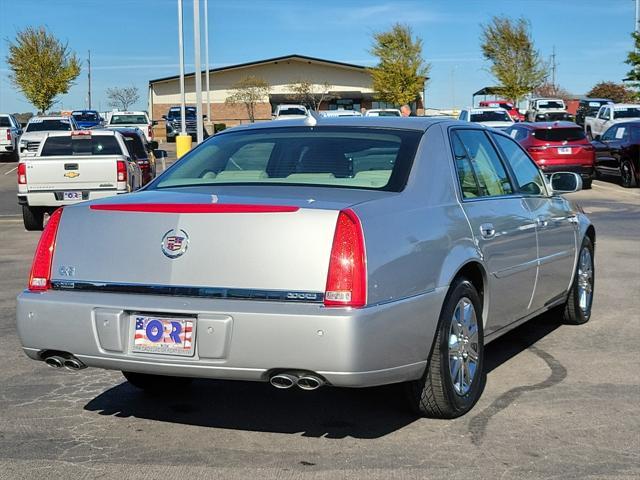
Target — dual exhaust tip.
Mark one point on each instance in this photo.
(67, 361)
(305, 381)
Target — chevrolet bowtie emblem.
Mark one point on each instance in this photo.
(72, 174)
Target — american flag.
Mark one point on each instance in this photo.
(169, 328)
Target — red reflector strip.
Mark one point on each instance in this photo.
(194, 208)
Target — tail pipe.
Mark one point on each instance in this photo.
(283, 380)
(66, 360)
(304, 381)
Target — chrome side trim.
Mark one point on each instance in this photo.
(192, 291)
(515, 269)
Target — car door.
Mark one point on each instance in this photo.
(502, 226)
(556, 225)
(607, 159)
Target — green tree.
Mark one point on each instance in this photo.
(42, 67)
(308, 93)
(401, 72)
(633, 59)
(614, 91)
(515, 63)
(249, 91)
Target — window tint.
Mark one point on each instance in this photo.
(85, 145)
(135, 146)
(527, 174)
(489, 116)
(490, 174)
(128, 119)
(610, 134)
(4, 122)
(605, 114)
(40, 125)
(559, 134)
(466, 176)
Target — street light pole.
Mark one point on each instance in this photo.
(198, 70)
(206, 55)
(89, 79)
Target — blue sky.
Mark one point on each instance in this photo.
(133, 41)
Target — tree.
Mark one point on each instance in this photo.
(515, 63)
(122, 98)
(548, 89)
(249, 91)
(401, 72)
(42, 67)
(633, 59)
(614, 91)
(310, 94)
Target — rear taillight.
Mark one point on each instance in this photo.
(22, 174)
(150, 131)
(122, 171)
(144, 164)
(40, 278)
(8, 134)
(347, 276)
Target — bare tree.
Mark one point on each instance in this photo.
(308, 93)
(548, 89)
(122, 98)
(249, 91)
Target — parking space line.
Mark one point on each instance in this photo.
(9, 171)
(616, 190)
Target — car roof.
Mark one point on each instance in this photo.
(487, 109)
(83, 111)
(625, 105)
(548, 125)
(49, 117)
(96, 132)
(589, 99)
(546, 98)
(128, 112)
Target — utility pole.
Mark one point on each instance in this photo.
(183, 126)
(198, 68)
(206, 55)
(554, 66)
(89, 78)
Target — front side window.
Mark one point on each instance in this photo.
(526, 173)
(610, 134)
(605, 114)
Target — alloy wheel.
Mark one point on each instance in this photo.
(585, 281)
(463, 346)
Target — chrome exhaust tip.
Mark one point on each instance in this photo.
(283, 380)
(74, 364)
(54, 361)
(309, 382)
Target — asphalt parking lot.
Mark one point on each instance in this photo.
(560, 402)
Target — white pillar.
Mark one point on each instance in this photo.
(198, 70)
(183, 126)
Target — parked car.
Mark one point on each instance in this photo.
(340, 112)
(382, 112)
(588, 107)
(87, 118)
(10, 131)
(489, 117)
(132, 119)
(618, 153)
(609, 115)
(377, 263)
(70, 167)
(174, 120)
(290, 112)
(511, 109)
(547, 110)
(38, 127)
(557, 146)
(144, 153)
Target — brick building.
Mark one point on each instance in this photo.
(349, 88)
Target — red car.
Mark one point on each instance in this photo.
(507, 105)
(557, 146)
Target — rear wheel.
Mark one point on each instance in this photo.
(627, 174)
(33, 217)
(156, 383)
(454, 377)
(577, 310)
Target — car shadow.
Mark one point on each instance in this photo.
(328, 412)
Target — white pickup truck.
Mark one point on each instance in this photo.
(38, 127)
(608, 115)
(10, 132)
(70, 167)
(133, 120)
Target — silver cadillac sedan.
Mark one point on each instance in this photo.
(324, 251)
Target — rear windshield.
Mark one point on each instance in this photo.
(489, 116)
(135, 146)
(627, 112)
(291, 111)
(551, 104)
(559, 134)
(39, 125)
(388, 113)
(4, 122)
(85, 116)
(128, 119)
(349, 157)
(81, 145)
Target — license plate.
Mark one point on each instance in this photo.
(163, 335)
(564, 150)
(72, 195)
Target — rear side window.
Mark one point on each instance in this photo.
(135, 146)
(85, 145)
(489, 172)
(39, 125)
(559, 134)
(527, 175)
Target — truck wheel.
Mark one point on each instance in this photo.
(33, 218)
(627, 175)
(454, 378)
(156, 383)
(577, 310)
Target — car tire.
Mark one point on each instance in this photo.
(33, 218)
(627, 175)
(577, 309)
(441, 392)
(156, 383)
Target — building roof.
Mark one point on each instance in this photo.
(302, 58)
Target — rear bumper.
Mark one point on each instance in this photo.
(238, 339)
(48, 198)
(583, 171)
(6, 148)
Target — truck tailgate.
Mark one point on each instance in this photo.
(88, 172)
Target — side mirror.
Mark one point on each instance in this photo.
(160, 153)
(153, 144)
(565, 182)
(164, 116)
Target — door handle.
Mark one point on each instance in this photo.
(487, 231)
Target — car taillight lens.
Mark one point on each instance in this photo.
(22, 174)
(347, 276)
(150, 131)
(8, 134)
(40, 277)
(122, 171)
